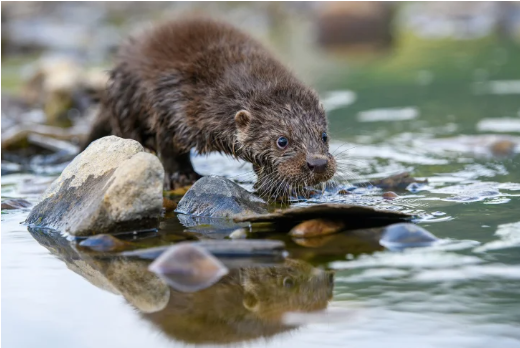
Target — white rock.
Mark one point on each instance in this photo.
(112, 186)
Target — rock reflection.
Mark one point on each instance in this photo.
(129, 278)
(248, 303)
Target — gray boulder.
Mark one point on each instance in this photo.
(112, 186)
(218, 197)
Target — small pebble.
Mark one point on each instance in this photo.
(315, 242)
(390, 195)
(316, 227)
(188, 268)
(503, 148)
(15, 204)
(344, 192)
(406, 235)
(309, 193)
(239, 233)
(397, 182)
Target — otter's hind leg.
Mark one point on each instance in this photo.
(178, 170)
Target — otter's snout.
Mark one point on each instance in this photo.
(317, 164)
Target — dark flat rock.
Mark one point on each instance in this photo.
(353, 215)
(221, 248)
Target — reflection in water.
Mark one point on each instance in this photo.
(119, 275)
(248, 303)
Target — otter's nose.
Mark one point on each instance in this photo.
(317, 164)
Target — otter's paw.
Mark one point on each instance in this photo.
(179, 180)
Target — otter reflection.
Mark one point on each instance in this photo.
(248, 303)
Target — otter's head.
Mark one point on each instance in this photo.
(286, 138)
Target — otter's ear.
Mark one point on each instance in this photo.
(251, 302)
(242, 119)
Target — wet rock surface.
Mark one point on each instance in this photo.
(218, 197)
(406, 235)
(113, 186)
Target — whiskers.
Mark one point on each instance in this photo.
(276, 187)
(347, 168)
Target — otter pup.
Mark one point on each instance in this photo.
(202, 84)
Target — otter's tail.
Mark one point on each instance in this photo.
(100, 128)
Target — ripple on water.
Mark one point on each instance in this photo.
(478, 145)
(219, 164)
(472, 192)
(389, 114)
(470, 272)
(420, 258)
(338, 99)
(506, 125)
(509, 237)
(499, 87)
(400, 153)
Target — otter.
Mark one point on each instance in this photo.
(198, 83)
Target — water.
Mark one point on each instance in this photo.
(405, 111)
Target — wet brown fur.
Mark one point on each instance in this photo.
(180, 86)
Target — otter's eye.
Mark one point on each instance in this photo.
(288, 283)
(282, 142)
(324, 137)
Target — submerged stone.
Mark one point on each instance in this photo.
(218, 197)
(187, 267)
(16, 203)
(205, 224)
(222, 248)
(406, 235)
(105, 243)
(314, 242)
(112, 186)
(316, 227)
